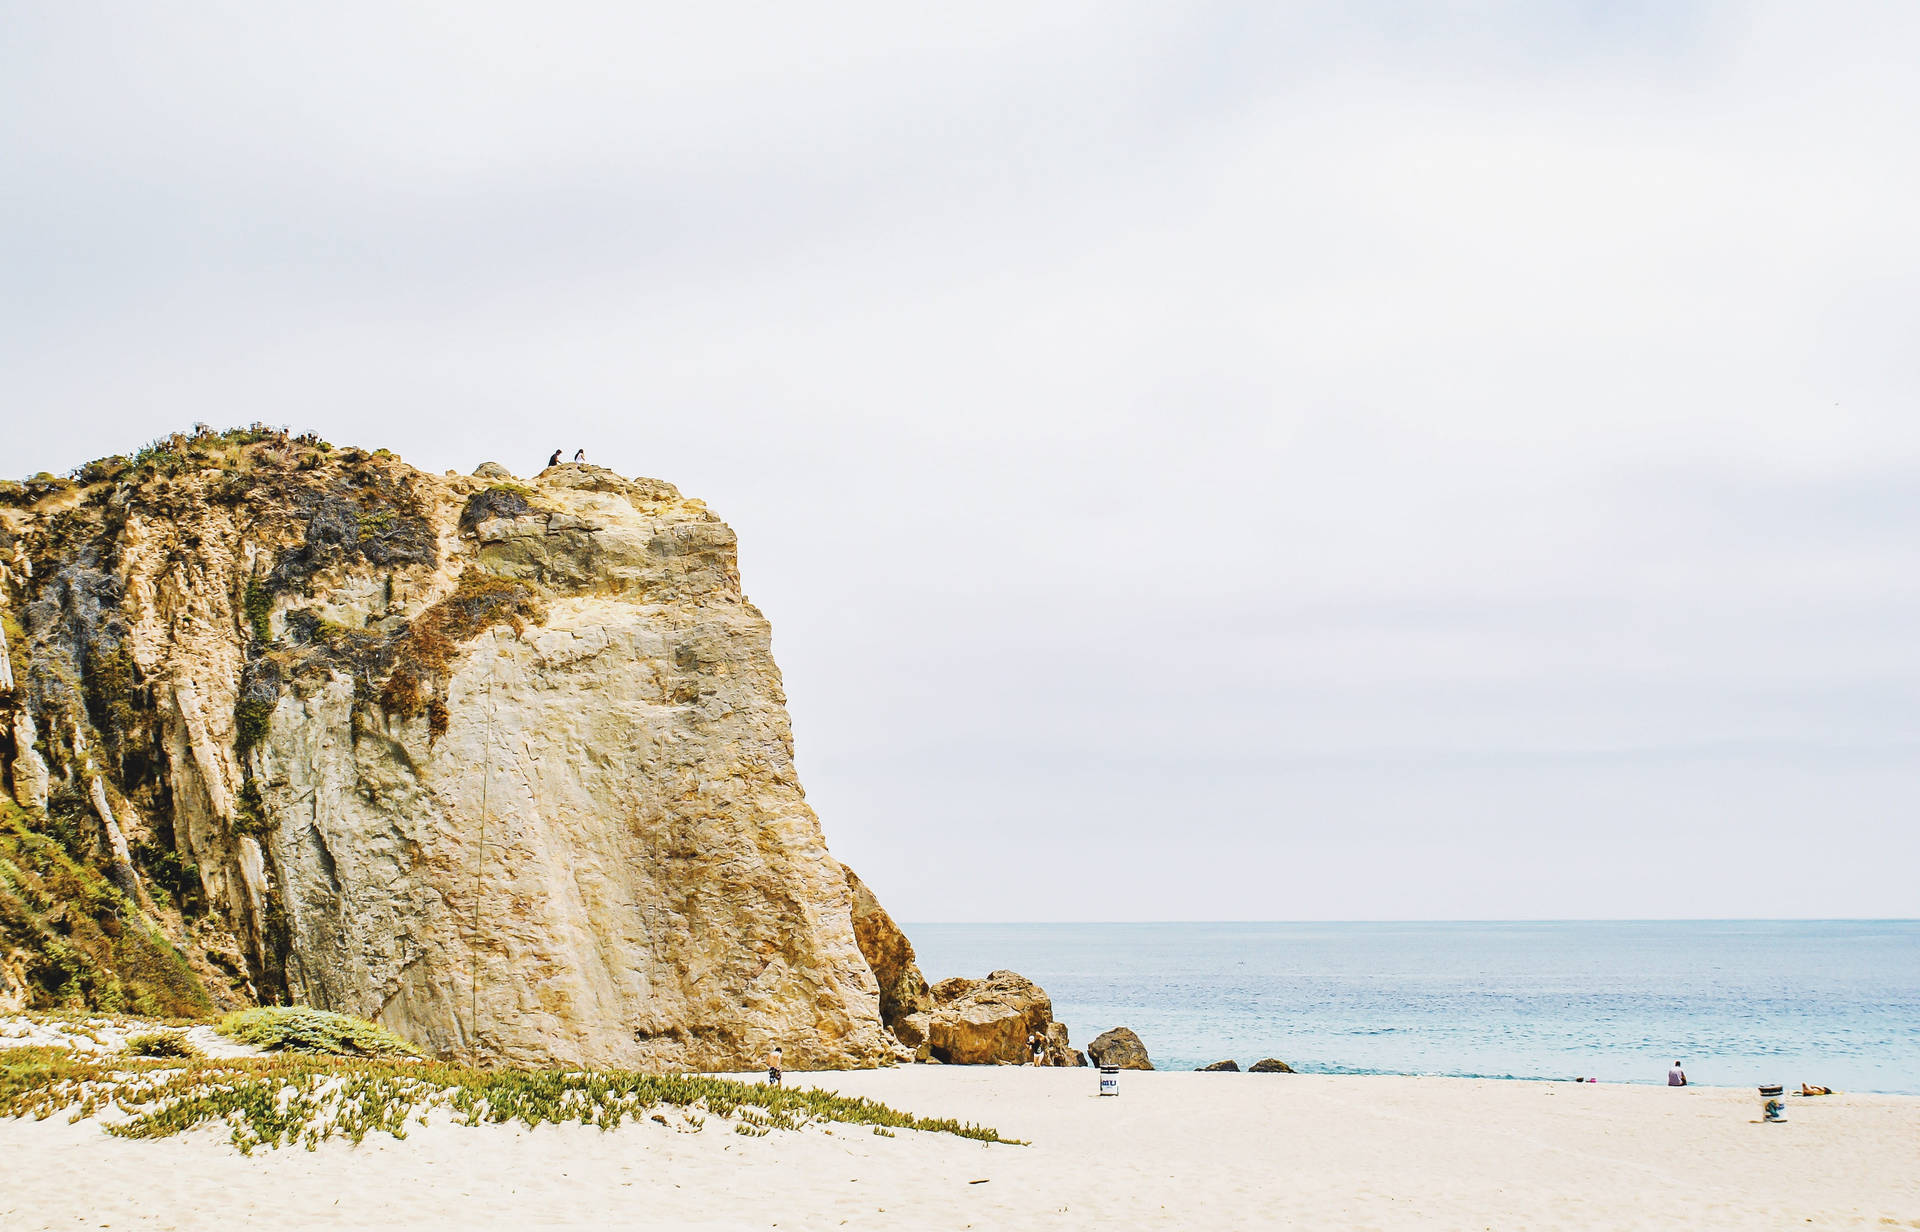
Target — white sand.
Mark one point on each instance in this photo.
(109, 1035)
(1175, 1150)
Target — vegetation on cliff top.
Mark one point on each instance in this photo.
(77, 939)
(174, 455)
(280, 1101)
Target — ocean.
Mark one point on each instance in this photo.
(1738, 1002)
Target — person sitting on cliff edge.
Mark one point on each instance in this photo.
(555, 459)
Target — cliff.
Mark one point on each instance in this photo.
(502, 764)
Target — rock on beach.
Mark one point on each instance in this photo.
(1119, 1047)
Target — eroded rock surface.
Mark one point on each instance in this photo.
(1270, 1066)
(502, 764)
(987, 1022)
(1119, 1047)
(904, 995)
(1059, 1049)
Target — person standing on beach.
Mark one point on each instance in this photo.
(1676, 1077)
(1037, 1046)
(774, 1064)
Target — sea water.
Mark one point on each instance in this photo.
(1738, 1003)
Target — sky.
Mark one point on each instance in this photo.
(1201, 461)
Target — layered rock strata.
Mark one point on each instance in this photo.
(502, 764)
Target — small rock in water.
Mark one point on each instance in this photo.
(1219, 1067)
(1270, 1066)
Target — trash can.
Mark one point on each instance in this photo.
(1773, 1105)
(1109, 1080)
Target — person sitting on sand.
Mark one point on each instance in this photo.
(1676, 1077)
(774, 1063)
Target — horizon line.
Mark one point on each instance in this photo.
(1836, 919)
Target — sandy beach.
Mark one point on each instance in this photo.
(1174, 1150)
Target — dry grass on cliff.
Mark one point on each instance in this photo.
(280, 1101)
(418, 682)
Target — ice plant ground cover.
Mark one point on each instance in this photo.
(281, 1100)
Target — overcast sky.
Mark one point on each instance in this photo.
(1201, 461)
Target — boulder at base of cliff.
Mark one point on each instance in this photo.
(912, 1029)
(1059, 1051)
(904, 996)
(912, 1033)
(1119, 1047)
(986, 1022)
(1219, 1067)
(1270, 1066)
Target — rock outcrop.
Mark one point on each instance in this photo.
(1270, 1066)
(987, 1022)
(1119, 1047)
(904, 995)
(501, 764)
(1219, 1067)
(1059, 1049)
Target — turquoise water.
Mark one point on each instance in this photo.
(1835, 1003)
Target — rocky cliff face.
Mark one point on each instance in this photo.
(504, 765)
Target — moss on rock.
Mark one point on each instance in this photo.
(76, 938)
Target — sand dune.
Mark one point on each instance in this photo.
(1173, 1151)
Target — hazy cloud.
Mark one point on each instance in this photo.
(1201, 461)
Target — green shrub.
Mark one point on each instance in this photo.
(177, 879)
(300, 1028)
(250, 811)
(112, 690)
(162, 1044)
(76, 939)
